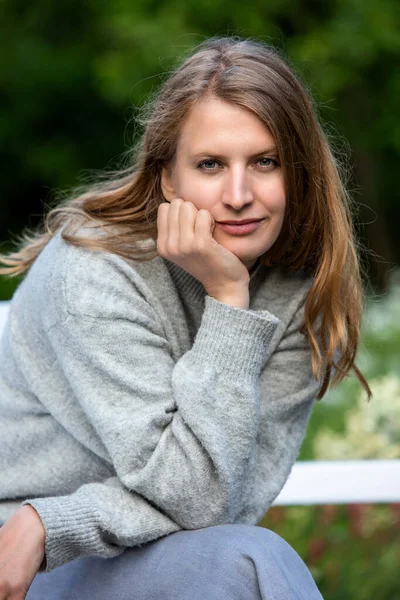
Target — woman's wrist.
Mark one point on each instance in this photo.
(33, 523)
(238, 299)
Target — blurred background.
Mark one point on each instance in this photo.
(72, 77)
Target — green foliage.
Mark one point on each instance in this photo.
(352, 551)
(345, 408)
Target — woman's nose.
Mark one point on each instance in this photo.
(237, 190)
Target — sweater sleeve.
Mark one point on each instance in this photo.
(290, 391)
(179, 435)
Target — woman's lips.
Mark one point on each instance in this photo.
(241, 229)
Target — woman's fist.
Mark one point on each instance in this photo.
(185, 237)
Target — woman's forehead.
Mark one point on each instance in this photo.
(216, 125)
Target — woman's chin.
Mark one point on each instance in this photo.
(247, 258)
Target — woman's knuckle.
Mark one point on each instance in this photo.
(172, 248)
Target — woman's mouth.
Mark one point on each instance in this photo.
(241, 229)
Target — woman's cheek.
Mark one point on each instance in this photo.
(201, 194)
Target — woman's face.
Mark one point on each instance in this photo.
(227, 163)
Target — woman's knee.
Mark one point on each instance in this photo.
(260, 560)
(234, 551)
(215, 561)
(234, 539)
(228, 541)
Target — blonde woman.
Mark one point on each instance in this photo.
(162, 356)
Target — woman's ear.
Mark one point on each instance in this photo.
(167, 185)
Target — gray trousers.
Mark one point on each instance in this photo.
(224, 562)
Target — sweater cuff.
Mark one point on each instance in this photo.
(233, 339)
(69, 531)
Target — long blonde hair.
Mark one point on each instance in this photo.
(317, 233)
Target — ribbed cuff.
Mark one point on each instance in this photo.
(233, 339)
(70, 531)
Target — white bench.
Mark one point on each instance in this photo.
(330, 482)
(342, 482)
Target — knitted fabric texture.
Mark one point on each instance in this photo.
(132, 404)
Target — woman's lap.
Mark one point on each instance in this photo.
(235, 562)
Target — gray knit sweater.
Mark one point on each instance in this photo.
(132, 404)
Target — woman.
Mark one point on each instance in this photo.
(164, 352)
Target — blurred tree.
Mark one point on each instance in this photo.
(69, 76)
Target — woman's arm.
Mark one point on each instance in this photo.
(289, 394)
(179, 435)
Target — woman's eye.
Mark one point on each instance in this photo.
(207, 165)
(267, 162)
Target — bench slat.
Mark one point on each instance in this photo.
(342, 482)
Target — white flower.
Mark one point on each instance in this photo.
(372, 429)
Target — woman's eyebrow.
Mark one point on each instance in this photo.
(202, 153)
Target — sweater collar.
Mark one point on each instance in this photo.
(191, 287)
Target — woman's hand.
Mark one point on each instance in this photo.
(22, 549)
(185, 237)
